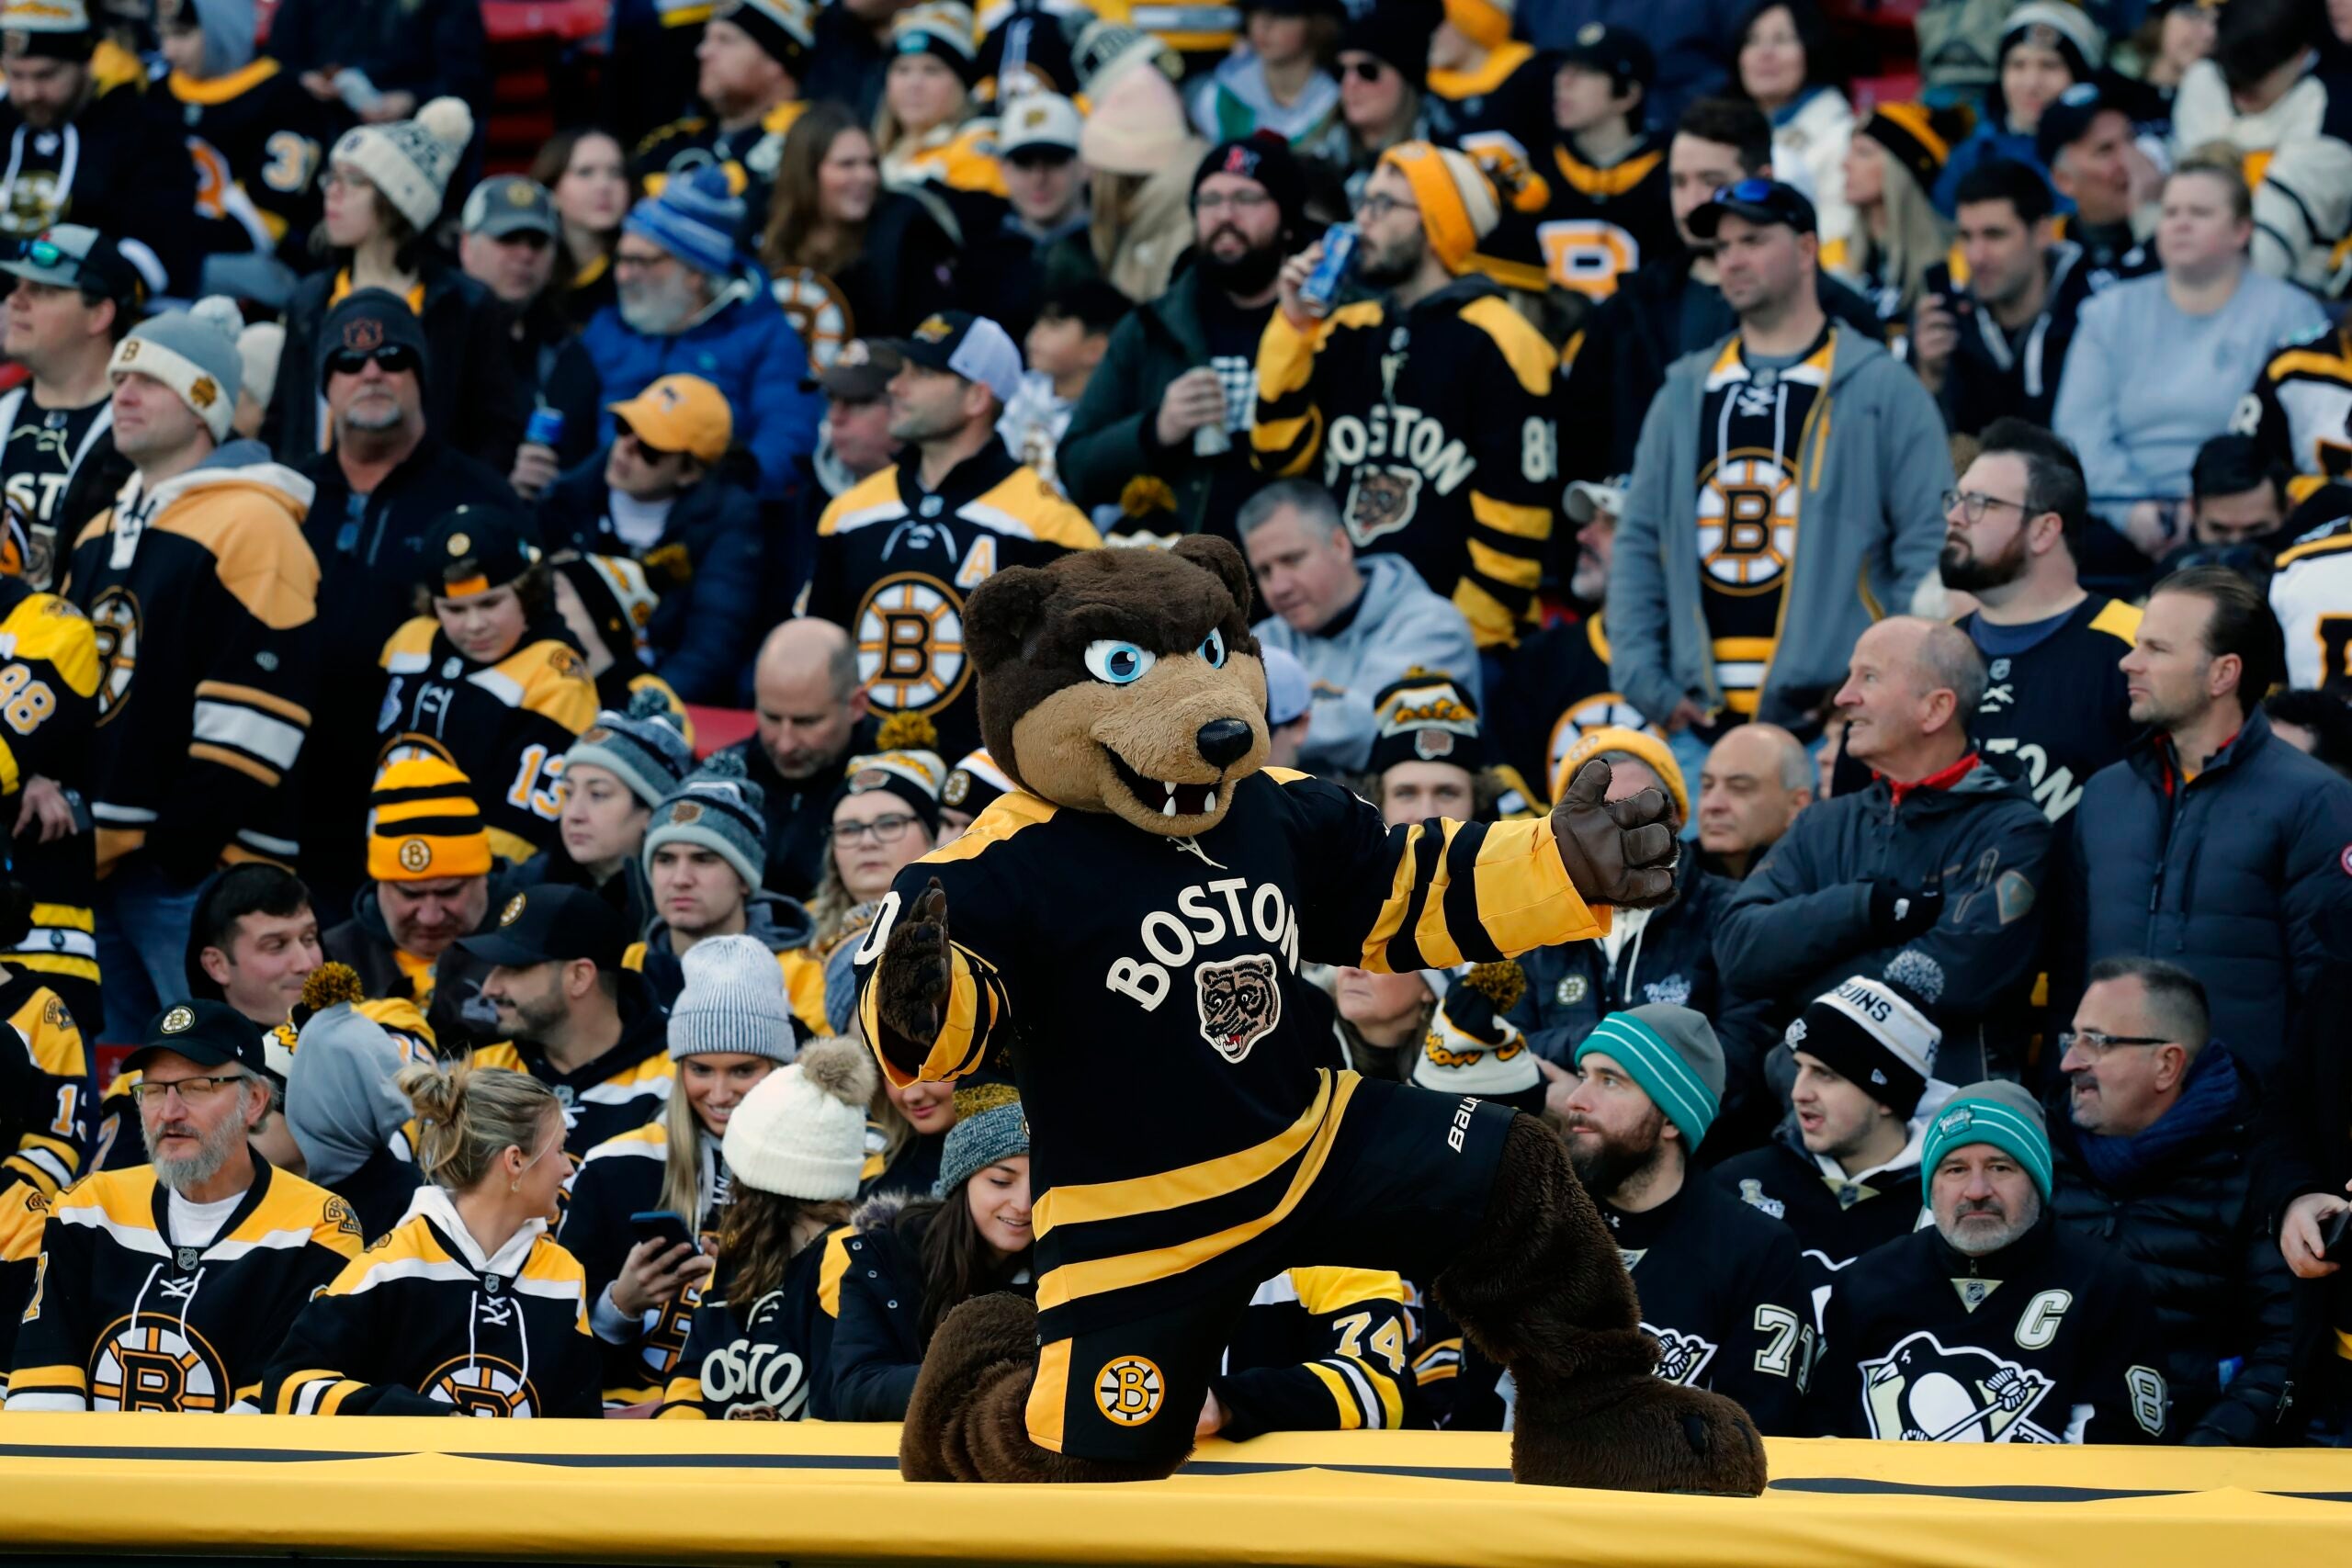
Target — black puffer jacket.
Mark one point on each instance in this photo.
(2192, 1219)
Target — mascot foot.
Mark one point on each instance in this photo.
(968, 1417)
(1634, 1432)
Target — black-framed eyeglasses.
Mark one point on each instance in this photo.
(885, 830)
(2100, 1044)
(1380, 204)
(1972, 504)
(1366, 70)
(193, 1091)
(392, 359)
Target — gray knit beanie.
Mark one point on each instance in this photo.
(732, 1001)
(720, 810)
(193, 352)
(642, 748)
(1673, 1054)
(981, 1139)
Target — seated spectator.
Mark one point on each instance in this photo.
(1428, 757)
(1382, 64)
(2307, 590)
(1277, 83)
(45, 1086)
(760, 1345)
(1005, 269)
(257, 138)
(507, 244)
(854, 442)
(1755, 780)
(812, 715)
(254, 941)
(728, 1030)
(404, 1330)
(1994, 350)
(385, 185)
(1695, 44)
(1356, 625)
(1859, 885)
(264, 1240)
(2123, 405)
(2047, 46)
(2085, 142)
(2211, 786)
(383, 61)
(1610, 193)
(1316, 1350)
(912, 1262)
(605, 602)
(2317, 724)
(623, 765)
(1899, 238)
(1384, 1019)
(345, 1116)
(973, 785)
(927, 129)
(2298, 410)
(2237, 504)
(570, 1016)
(885, 816)
(1785, 68)
(1908, 1356)
(1064, 347)
(906, 1130)
(749, 64)
(583, 171)
(2159, 1159)
(1140, 158)
(494, 612)
(687, 297)
(1289, 704)
(1843, 1172)
(62, 320)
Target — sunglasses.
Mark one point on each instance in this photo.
(1364, 70)
(392, 359)
(1750, 190)
(646, 449)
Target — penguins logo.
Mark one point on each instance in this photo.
(1920, 1392)
(1381, 501)
(1680, 1357)
(1241, 1001)
(482, 1385)
(157, 1364)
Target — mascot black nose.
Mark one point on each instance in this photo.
(1224, 741)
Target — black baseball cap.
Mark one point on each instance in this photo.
(2069, 119)
(1619, 53)
(210, 1035)
(1757, 201)
(860, 373)
(552, 924)
(964, 345)
(473, 549)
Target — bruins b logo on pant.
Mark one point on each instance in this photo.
(1129, 1390)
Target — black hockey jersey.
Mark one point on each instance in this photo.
(626, 1087)
(258, 141)
(1320, 1350)
(1436, 431)
(1597, 224)
(2310, 592)
(620, 1176)
(2059, 707)
(2300, 411)
(116, 165)
(423, 1324)
(505, 725)
(121, 1318)
(1508, 92)
(2049, 1340)
(23, 1213)
(895, 562)
(770, 1359)
(748, 156)
(49, 688)
(45, 1123)
(1834, 1219)
(1556, 692)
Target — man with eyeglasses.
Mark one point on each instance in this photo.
(169, 1285)
(2160, 1156)
(1160, 431)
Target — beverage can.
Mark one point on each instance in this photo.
(1321, 289)
(545, 428)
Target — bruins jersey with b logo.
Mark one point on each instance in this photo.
(48, 685)
(121, 1318)
(895, 563)
(257, 140)
(620, 1176)
(1321, 1350)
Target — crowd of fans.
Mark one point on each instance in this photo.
(1937, 482)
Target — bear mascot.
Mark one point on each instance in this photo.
(1126, 927)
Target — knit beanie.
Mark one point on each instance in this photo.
(1265, 157)
(732, 1001)
(2056, 25)
(193, 351)
(942, 30)
(1920, 138)
(720, 810)
(695, 219)
(423, 825)
(340, 1103)
(1105, 50)
(259, 348)
(1999, 1112)
(1472, 1049)
(1633, 743)
(783, 29)
(1137, 126)
(997, 1129)
(974, 784)
(1871, 1035)
(1425, 716)
(904, 763)
(1459, 206)
(365, 321)
(1485, 23)
(800, 1132)
(412, 161)
(1672, 1053)
(1396, 32)
(642, 748)
(48, 29)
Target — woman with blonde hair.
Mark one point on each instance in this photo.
(1140, 158)
(1898, 236)
(925, 128)
(468, 1306)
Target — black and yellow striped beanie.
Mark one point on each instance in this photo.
(423, 824)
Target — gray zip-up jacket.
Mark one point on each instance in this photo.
(1874, 462)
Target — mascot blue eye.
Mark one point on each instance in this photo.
(1214, 650)
(1117, 662)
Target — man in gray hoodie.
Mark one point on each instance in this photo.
(1786, 493)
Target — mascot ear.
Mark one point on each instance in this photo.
(1217, 556)
(1003, 611)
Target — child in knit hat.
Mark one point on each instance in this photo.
(621, 767)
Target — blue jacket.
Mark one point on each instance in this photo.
(2233, 875)
(1985, 145)
(747, 349)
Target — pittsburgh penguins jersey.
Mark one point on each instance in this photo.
(49, 690)
(1320, 1350)
(2300, 411)
(504, 725)
(1435, 428)
(2310, 592)
(895, 563)
(1835, 1218)
(1599, 222)
(257, 139)
(1185, 966)
(626, 1087)
(769, 1359)
(1557, 693)
(2058, 705)
(424, 1322)
(620, 1176)
(2049, 1340)
(46, 1125)
(122, 1316)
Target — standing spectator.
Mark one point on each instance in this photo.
(1606, 209)
(1996, 350)
(258, 139)
(583, 171)
(2159, 1159)
(1065, 349)
(1005, 269)
(624, 764)
(749, 66)
(384, 189)
(99, 156)
(1696, 41)
(2123, 405)
(507, 244)
(62, 320)
(982, 511)
(688, 301)
(1185, 363)
(1897, 238)
(1356, 625)
(1755, 780)
(811, 716)
(1926, 879)
(1278, 82)
(2084, 140)
(2300, 409)
(2047, 47)
(204, 596)
(2214, 845)
(383, 58)
(1716, 614)
(1444, 451)
(1907, 1354)
(1140, 158)
(927, 128)
(1785, 70)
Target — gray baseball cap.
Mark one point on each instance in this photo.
(71, 255)
(505, 205)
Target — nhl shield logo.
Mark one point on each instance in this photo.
(185, 1259)
(1241, 1001)
(1920, 1392)
(1751, 1192)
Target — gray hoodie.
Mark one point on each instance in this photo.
(1874, 464)
(340, 1102)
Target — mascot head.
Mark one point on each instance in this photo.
(1123, 681)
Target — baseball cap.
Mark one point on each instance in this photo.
(71, 255)
(681, 413)
(1586, 497)
(1044, 120)
(552, 924)
(210, 1033)
(968, 345)
(860, 373)
(1620, 53)
(1289, 694)
(2068, 120)
(1757, 201)
(476, 548)
(509, 203)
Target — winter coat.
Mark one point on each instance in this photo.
(2233, 875)
(799, 812)
(877, 1342)
(1809, 142)
(1159, 228)
(426, 47)
(131, 178)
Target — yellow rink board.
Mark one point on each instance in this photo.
(690, 1492)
